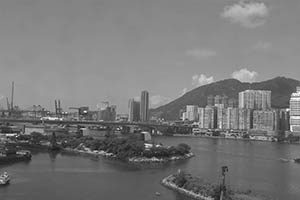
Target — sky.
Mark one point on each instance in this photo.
(86, 52)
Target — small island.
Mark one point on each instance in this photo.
(199, 189)
(131, 148)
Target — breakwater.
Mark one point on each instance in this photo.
(160, 160)
(168, 182)
(134, 160)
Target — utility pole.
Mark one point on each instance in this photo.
(223, 186)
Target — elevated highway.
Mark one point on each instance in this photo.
(104, 123)
(129, 126)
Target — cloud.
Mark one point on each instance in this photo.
(184, 90)
(249, 15)
(244, 75)
(262, 46)
(200, 53)
(198, 80)
(158, 100)
(202, 79)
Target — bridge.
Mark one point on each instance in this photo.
(109, 124)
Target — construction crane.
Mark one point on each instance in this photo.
(10, 106)
(58, 109)
(12, 96)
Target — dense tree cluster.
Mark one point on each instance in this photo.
(34, 137)
(163, 152)
(125, 148)
(198, 186)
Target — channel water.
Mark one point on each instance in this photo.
(263, 167)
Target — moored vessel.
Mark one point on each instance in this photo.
(4, 179)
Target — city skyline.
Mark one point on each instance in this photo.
(150, 99)
(84, 52)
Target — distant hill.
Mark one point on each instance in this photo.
(281, 88)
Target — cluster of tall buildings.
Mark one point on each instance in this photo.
(251, 111)
(255, 99)
(107, 112)
(139, 110)
(295, 111)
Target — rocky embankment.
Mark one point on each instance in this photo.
(168, 182)
(143, 160)
(159, 160)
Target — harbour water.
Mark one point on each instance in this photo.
(252, 165)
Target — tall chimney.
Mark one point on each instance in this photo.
(59, 109)
(12, 96)
(55, 103)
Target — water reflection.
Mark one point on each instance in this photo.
(252, 165)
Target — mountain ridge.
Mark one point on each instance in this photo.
(280, 86)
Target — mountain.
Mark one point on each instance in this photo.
(281, 88)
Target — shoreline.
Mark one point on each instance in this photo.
(219, 137)
(106, 155)
(133, 160)
(168, 183)
(160, 160)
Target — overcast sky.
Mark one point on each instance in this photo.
(85, 52)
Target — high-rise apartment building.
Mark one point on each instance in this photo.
(192, 112)
(232, 103)
(221, 117)
(265, 120)
(207, 117)
(107, 113)
(232, 118)
(295, 111)
(224, 101)
(245, 118)
(284, 120)
(134, 110)
(210, 100)
(218, 99)
(255, 99)
(201, 117)
(144, 106)
(228, 118)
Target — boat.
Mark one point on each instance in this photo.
(297, 160)
(4, 179)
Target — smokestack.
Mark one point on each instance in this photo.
(59, 109)
(55, 103)
(12, 96)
